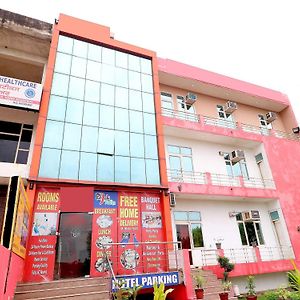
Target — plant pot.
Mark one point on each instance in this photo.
(251, 297)
(199, 293)
(223, 296)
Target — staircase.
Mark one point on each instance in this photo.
(66, 289)
(212, 286)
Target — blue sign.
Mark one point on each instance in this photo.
(104, 199)
(147, 280)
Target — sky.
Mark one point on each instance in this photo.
(257, 41)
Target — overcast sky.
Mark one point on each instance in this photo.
(256, 41)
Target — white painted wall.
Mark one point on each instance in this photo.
(19, 116)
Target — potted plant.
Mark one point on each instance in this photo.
(226, 265)
(200, 280)
(226, 289)
(251, 295)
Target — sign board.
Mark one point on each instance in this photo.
(20, 93)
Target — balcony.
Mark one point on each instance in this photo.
(201, 121)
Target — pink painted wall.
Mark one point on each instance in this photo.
(15, 273)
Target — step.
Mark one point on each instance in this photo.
(59, 291)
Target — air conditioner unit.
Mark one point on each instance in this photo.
(296, 130)
(251, 215)
(270, 117)
(190, 98)
(172, 200)
(230, 107)
(237, 155)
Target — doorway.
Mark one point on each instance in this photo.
(73, 253)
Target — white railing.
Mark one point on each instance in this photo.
(259, 183)
(286, 135)
(255, 129)
(276, 253)
(204, 257)
(187, 177)
(219, 122)
(224, 180)
(241, 255)
(180, 115)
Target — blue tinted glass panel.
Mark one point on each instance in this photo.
(89, 139)
(65, 44)
(121, 78)
(60, 84)
(148, 103)
(69, 164)
(194, 216)
(72, 136)
(136, 145)
(136, 121)
(57, 108)
(105, 168)
(94, 52)
(121, 99)
(91, 114)
(134, 80)
(149, 124)
(138, 172)
(152, 171)
(175, 163)
(122, 143)
(134, 63)
(147, 84)
(92, 91)
(135, 100)
(74, 111)
(186, 150)
(108, 56)
(62, 63)
(173, 149)
(53, 134)
(106, 141)
(106, 116)
(93, 71)
(78, 68)
(88, 166)
(108, 74)
(80, 48)
(121, 59)
(50, 161)
(122, 169)
(107, 94)
(150, 146)
(181, 215)
(187, 164)
(121, 119)
(76, 88)
(146, 66)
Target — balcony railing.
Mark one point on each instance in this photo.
(219, 122)
(180, 115)
(187, 177)
(224, 180)
(255, 129)
(286, 135)
(276, 253)
(259, 183)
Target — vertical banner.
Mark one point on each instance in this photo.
(154, 254)
(40, 260)
(104, 232)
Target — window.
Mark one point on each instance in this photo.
(236, 169)
(166, 101)
(15, 142)
(180, 158)
(264, 125)
(226, 120)
(250, 231)
(183, 106)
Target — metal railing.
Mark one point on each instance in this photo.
(255, 129)
(276, 253)
(286, 135)
(187, 177)
(180, 115)
(241, 255)
(204, 257)
(219, 122)
(259, 183)
(225, 180)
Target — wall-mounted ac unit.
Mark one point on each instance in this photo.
(172, 199)
(270, 117)
(296, 130)
(190, 98)
(230, 107)
(251, 215)
(237, 155)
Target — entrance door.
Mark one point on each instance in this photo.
(73, 255)
(183, 236)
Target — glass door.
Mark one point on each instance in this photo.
(183, 236)
(73, 255)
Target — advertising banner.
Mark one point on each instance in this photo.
(41, 249)
(20, 93)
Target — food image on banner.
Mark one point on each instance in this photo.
(104, 232)
(44, 224)
(154, 253)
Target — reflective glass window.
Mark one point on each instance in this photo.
(22, 157)
(173, 149)
(108, 74)
(186, 150)
(88, 166)
(148, 103)
(197, 235)
(74, 111)
(136, 145)
(108, 56)
(65, 44)
(152, 171)
(80, 48)
(138, 172)
(107, 94)
(134, 80)
(78, 68)
(121, 119)
(72, 136)
(121, 59)
(89, 139)
(93, 71)
(181, 215)
(149, 124)
(107, 116)
(147, 84)
(106, 141)
(76, 88)
(92, 91)
(94, 52)
(121, 77)
(146, 66)
(91, 114)
(122, 143)
(175, 162)
(62, 63)
(60, 85)
(135, 100)
(50, 161)
(105, 168)
(57, 108)
(53, 134)
(150, 146)
(8, 147)
(134, 63)
(194, 216)
(25, 139)
(122, 169)
(136, 121)
(69, 164)
(121, 97)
